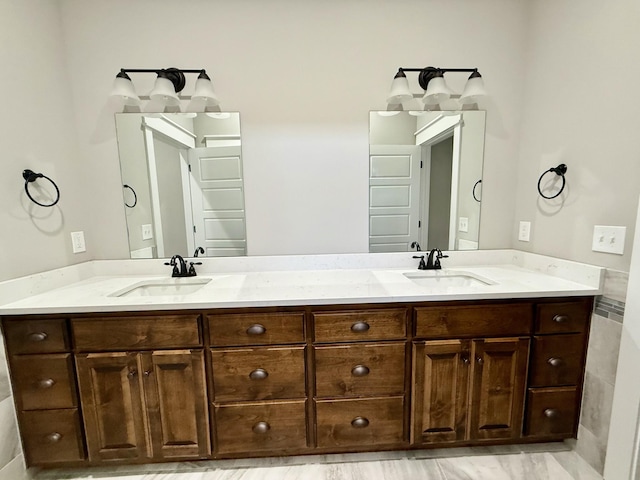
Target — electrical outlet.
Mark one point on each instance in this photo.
(524, 232)
(608, 239)
(77, 242)
(147, 232)
(463, 224)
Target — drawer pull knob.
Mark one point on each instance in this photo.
(360, 371)
(551, 412)
(479, 360)
(256, 329)
(38, 337)
(258, 374)
(132, 374)
(46, 383)
(261, 427)
(360, 422)
(555, 361)
(54, 437)
(360, 327)
(560, 318)
(466, 360)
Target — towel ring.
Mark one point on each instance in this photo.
(30, 176)
(135, 197)
(474, 190)
(559, 170)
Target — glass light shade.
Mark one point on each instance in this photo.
(399, 89)
(204, 91)
(437, 91)
(164, 91)
(124, 91)
(473, 90)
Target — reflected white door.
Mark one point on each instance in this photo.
(217, 197)
(394, 197)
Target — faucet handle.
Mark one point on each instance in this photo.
(192, 270)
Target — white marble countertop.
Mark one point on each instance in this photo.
(308, 280)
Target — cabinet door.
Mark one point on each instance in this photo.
(111, 397)
(499, 371)
(176, 403)
(441, 382)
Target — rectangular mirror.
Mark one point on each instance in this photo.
(183, 183)
(425, 179)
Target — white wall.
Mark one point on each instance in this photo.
(582, 110)
(304, 76)
(37, 131)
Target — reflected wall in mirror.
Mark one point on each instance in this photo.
(425, 172)
(184, 183)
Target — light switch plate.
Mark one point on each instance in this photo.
(608, 239)
(77, 242)
(463, 224)
(147, 232)
(524, 232)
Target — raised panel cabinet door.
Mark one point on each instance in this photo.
(176, 403)
(499, 372)
(111, 398)
(441, 387)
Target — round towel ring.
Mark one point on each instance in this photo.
(474, 190)
(30, 176)
(559, 170)
(135, 197)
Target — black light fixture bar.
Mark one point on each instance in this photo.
(427, 73)
(175, 75)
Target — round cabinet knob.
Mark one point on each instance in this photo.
(360, 327)
(258, 374)
(360, 422)
(256, 329)
(466, 360)
(555, 361)
(561, 318)
(132, 374)
(551, 412)
(479, 360)
(38, 337)
(261, 427)
(360, 371)
(54, 437)
(46, 383)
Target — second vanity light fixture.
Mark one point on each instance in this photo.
(169, 83)
(431, 79)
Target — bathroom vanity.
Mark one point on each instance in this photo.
(147, 379)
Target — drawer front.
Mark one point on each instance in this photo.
(44, 381)
(36, 336)
(563, 317)
(361, 369)
(474, 321)
(256, 329)
(261, 426)
(357, 325)
(557, 360)
(360, 422)
(551, 411)
(259, 373)
(51, 436)
(136, 333)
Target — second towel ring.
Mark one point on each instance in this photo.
(474, 190)
(559, 170)
(31, 176)
(135, 197)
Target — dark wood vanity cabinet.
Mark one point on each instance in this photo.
(227, 383)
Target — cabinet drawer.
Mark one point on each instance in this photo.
(136, 333)
(563, 317)
(256, 329)
(362, 369)
(474, 321)
(36, 336)
(557, 360)
(551, 411)
(261, 426)
(44, 381)
(258, 373)
(359, 422)
(346, 326)
(51, 436)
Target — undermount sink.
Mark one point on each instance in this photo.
(442, 278)
(163, 287)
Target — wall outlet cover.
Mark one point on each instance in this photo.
(77, 242)
(463, 224)
(524, 231)
(608, 239)
(147, 232)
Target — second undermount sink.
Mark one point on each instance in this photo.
(163, 287)
(443, 278)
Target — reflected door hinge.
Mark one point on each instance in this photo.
(194, 229)
(420, 165)
(189, 167)
(419, 224)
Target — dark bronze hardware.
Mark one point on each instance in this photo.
(360, 422)
(38, 337)
(360, 371)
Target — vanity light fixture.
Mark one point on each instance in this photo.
(165, 93)
(431, 79)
